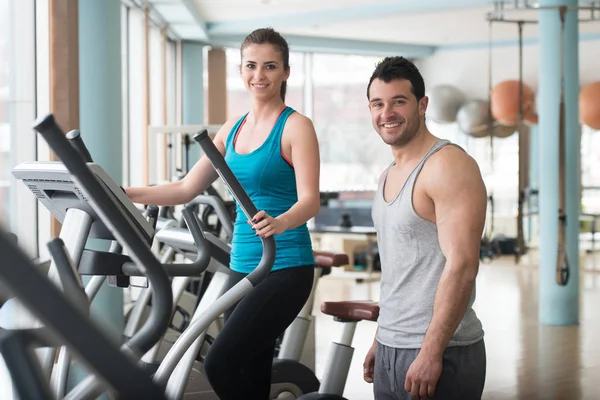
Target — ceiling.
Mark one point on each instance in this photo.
(414, 28)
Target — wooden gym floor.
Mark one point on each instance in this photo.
(525, 360)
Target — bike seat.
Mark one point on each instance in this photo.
(330, 258)
(352, 310)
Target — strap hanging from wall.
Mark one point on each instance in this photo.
(523, 154)
(562, 262)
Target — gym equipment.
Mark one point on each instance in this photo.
(589, 105)
(500, 8)
(444, 103)
(70, 326)
(64, 197)
(174, 370)
(295, 335)
(205, 206)
(349, 313)
(79, 198)
(473, 118)
(105, 212)
(509, 112)
(506, 103)
(213, 205)
(186, 291)
(290, 378)
(182, 347)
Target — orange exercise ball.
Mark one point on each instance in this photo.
(589, 105)
(505, 102)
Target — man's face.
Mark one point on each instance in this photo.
(395, 111)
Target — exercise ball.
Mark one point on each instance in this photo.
(505, 102)
(503, 131)
(473, 118)
(589, 105)
(444, 103)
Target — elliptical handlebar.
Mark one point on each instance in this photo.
(78, 144)
(122, 228)
(151, 215)
(183, 269)
(69, 325)
(219, 207)
(69, 278)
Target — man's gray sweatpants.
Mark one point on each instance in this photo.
(463, 372)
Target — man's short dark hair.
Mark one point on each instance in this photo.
(391, 68)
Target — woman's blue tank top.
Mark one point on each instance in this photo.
(270, 182)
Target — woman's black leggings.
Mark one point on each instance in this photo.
(238, 364)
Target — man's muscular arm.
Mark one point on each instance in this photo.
(455, 185)
(460, 201)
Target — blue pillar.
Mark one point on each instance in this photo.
(558, 305)
(193, 90)
(101, 118)
(100, 113)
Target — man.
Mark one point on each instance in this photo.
(429, 212)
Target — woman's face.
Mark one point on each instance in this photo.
(262, 70)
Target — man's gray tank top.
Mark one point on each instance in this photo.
(411, 265)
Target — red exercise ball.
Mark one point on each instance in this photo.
(589, 105)
(505, 102)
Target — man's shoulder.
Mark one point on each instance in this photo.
(449, 160)
(450, 172)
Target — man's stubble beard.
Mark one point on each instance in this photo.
(411, 129)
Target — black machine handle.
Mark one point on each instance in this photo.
(69, 278)
(151, 215)
(76, 141)
(246, 204)
(68, 324)
(27, 377)
(185, 269)
(121, 225)
(219, 207)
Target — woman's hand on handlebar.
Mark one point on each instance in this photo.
(265, 225)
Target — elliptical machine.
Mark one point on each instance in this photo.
(174, 370)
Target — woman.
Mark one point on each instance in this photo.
(273, 151)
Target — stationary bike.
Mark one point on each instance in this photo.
(348, 313)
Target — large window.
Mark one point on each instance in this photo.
(238, 101)
(136, 100)
(590, 172)
(331, 89)
(352, 154)
(17, 112)
(5, 129)
(162, 92)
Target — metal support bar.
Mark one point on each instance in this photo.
(500, 7)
